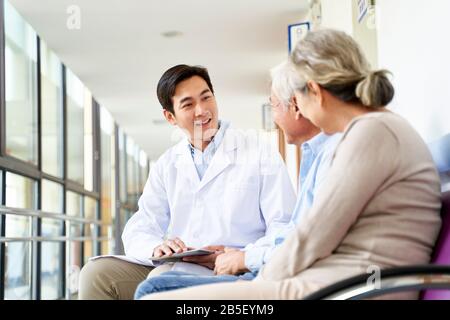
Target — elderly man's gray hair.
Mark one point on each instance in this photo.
(283, 86)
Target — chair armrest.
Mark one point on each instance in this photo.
(391, 280)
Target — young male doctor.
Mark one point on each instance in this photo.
(218, 187)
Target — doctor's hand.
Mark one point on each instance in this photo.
(169, 247)
(208, 260)
(231, 262)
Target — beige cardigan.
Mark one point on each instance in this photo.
(378, 207)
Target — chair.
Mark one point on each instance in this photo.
(428, 278)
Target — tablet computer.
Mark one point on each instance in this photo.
(179, 256)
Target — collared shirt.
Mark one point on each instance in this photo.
(203, 159)
(316, 158)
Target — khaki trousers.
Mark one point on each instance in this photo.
(113, 279)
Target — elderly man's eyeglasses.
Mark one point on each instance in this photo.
(273, 104)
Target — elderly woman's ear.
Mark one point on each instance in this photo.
(314, 91)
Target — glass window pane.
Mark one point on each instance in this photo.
(125, 215)
(1, 187)
(74, 262)
(131, 171)
(143, 172)
(17, 226)
(90, 208)
(51, 227)
(52, 124)
(73, 247)
(20, 87)
(106, 124)
(73, 204)
(51, 259)
(123, 167)
(90, 211)
(75, 128)
(88, 142)
(106, 245)
(89, 250)
(18, 270)
(52, 201)
(52, 196)
(51, 273)
(20, 193)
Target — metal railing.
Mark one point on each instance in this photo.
(70, 272)
(57, 216)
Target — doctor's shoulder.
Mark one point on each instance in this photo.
(167, 160)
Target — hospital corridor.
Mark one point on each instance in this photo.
(245, 150)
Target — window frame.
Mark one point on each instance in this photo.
(2, 146)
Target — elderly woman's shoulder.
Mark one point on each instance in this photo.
(374, 124)
(387, 122)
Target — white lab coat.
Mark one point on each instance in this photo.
(244, 195)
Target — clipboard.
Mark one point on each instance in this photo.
(178, 256)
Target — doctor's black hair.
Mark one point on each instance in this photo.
(172, 77)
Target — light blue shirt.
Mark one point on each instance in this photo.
(316, 158)
(203, 159)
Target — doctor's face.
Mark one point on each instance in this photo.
(195, 111)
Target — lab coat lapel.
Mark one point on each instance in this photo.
(221, 159)
(185, 164)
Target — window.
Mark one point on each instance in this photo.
(132, 169)
(20, 193)
(124, 216)
(90, 230)
(74, 245)
(143, 170)
(75, 128)
(107, 144)
(51, 114)
(123, 167)
(20, 87)
(74, 205)
(64, 100)
(52, 251)
(106, 234)
(1, 190)
(88, 142)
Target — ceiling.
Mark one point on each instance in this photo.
(120, 54)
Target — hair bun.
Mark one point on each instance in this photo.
(375, 89)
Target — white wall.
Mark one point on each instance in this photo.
(337, 14)
(365, 33)
(414, 43)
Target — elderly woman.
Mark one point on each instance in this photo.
(380, 203)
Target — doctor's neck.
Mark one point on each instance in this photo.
(199, 144)
(200, 139)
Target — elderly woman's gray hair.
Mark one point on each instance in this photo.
(336, 62)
